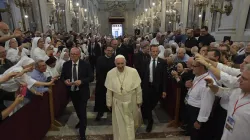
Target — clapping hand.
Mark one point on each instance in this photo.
(164, 94)
(209, 81)
(189, 84)
(17, 32)
(174, 73)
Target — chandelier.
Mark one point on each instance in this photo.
(201, 3)
(23, 3)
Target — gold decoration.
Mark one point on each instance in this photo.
(227, 9)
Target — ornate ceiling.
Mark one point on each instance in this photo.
(103, 1)
(116, 5)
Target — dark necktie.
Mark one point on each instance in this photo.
(74, 75)
(92, 49)
(154, 70)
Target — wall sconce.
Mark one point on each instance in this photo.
(227, 9)
(201, 3)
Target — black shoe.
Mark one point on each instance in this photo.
(77, 125)
(83, 138)
(184, 127)
(98, 116)
(149, 126)
(186, 133)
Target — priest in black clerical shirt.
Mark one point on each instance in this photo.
(103, 66)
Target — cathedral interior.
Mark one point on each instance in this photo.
(53, 116)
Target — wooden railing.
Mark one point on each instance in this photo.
(33, 121)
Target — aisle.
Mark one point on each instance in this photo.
(102, 130)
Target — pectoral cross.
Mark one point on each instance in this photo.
(121, 89)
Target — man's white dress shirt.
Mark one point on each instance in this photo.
(200, 96)
(241, 130)
(151, 68)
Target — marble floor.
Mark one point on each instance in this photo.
(102, 130)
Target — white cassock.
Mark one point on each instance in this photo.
(125, 112)
(241, 116)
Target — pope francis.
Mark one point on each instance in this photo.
(124, 96)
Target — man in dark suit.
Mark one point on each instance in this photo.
(119, 48)
(77, 74)
(153, 84)
(140, 57)
(94, 50)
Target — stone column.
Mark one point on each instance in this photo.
(241, 35)
(163, 16)
(183, 13)
(68, 9)
(15, 11)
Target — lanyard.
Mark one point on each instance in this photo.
(235, 108)
(197, 83)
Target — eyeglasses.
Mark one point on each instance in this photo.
(74, 54)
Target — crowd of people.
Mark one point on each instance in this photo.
(132, 74)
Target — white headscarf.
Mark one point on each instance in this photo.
(12, 84)
(24, 61)
(7, 44)
(34, 45)
(162, 50)
(47, 40)
(62, 55)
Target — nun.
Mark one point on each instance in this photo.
(51, 68)
(64, 56)
(25, 65)
(14, 53)
(37, 50)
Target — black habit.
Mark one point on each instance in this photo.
(103, 66)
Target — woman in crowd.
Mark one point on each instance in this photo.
(37, 50)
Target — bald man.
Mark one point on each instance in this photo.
(190, 42)
(181, 55)
(155, 41)
(4, 63)
(124, 96)
(77, 74)
(5, 34)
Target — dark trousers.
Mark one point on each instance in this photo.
(203, 132)
(92, 61)
(80, 105)
(220, 115)
(150, 100)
